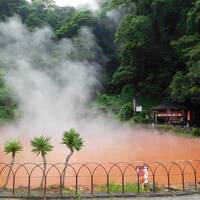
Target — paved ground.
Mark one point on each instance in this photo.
(195, 197)
(190, 197)
(187, 197)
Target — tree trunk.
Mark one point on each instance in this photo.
(65, 168)
(44, 173)
(10, 169)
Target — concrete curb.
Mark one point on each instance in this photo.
(99, 196)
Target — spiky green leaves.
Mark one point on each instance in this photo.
(72, 140)
(41, 145)
(13, 146)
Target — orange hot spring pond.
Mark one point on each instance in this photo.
(136, 146)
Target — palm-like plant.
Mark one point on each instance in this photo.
(41, 146)
(12, 147)
(74, 142)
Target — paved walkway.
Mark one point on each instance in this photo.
(189, 197)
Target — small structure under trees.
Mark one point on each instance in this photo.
(172, 114)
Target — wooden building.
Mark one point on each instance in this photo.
(172, 114)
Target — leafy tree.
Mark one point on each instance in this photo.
(10, 7)
(71, 28)
(59, 16)
(187, 48)
(34, 21)
(12, 147)
(38, 11)
(193, 18)
(180, 87)
(185, 86)
(41, 146)
(117, 3)
(124, 75)
(43, 4)
(73, 142)
(135, 29)
(143, 39)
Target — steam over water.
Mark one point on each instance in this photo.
(54, 81)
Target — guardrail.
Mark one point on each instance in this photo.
(89, 177)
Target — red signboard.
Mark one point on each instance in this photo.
(189, 116)
(171, 114)
(143, 175)
(140, 170)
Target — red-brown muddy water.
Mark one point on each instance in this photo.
(128, 146)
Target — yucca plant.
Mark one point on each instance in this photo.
(41, 146)
(12, 147)
(73, 142)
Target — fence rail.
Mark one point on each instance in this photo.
(86, 178)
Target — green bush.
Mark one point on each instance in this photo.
(195, 131)
(141, 118)
(126, 112)
(109, 103)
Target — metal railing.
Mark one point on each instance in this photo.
(173, 175)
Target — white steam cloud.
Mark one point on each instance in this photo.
(52, 80)
(92, 4)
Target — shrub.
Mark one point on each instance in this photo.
(143, 117)
(126, 112)
(195, 132)
(109, 103)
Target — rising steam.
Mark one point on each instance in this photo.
(53, 81)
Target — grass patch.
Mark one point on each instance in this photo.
(179, 131)
(116, 188)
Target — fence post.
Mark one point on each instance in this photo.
(61, 186)
(76, 184)
(123, 190)
(13, 189)
(168, 180)
(29, 184)
(92, 185)
(154, 186)
(138, 183)
(183, 181)
(195, 179)
(108, 189)
(45, 185)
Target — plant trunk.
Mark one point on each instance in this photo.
(10, 169)
(65, 168)
(44, 173)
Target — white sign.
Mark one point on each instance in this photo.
(138, 109)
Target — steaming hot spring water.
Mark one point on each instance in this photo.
(54, 93)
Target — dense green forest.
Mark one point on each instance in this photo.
(152, 51)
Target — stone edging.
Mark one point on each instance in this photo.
(99, 196)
